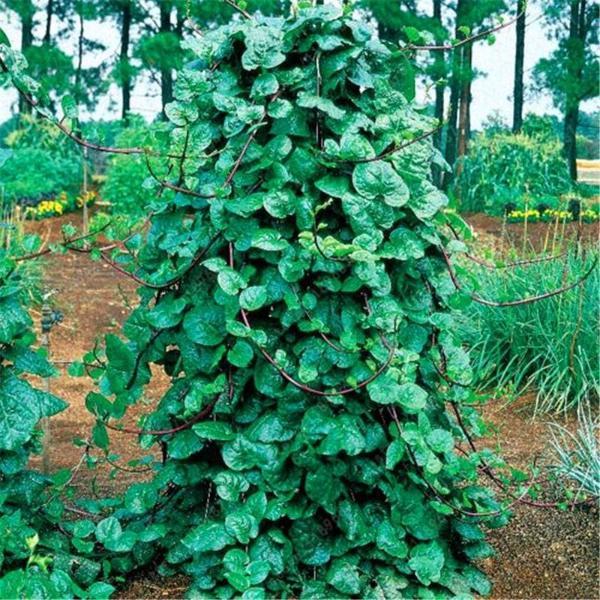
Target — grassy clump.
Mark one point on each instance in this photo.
(577, 455)
(550, 346)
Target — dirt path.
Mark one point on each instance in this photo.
(540, 554)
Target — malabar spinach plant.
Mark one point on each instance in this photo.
(295, 290)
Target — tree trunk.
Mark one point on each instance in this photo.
(180, 23)
(576, 47)
(124, 60)
(440, 87)
(519, 65)
(455, 89)
(49, 15)
(26, 43)
(166, 75)
(464, 113)
(79, 68)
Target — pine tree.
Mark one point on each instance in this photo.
(571, 72)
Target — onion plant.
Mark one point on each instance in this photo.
(548, 347)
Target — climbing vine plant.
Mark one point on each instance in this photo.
(294, 287)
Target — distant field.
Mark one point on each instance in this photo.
(588, 171)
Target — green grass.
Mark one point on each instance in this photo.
(549, 347)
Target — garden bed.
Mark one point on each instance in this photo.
(541, 554)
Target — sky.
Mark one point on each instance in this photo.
(492, 90)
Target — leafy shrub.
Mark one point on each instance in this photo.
(126, 175)
(503, 168)
(29, 514)
(550, 346)
(13, 241)
(42, 164)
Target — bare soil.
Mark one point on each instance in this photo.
(540, 554)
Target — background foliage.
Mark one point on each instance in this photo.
(502, 168)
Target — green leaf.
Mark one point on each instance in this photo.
(230, 485)
(270, 428)
(205, 324)
(385, 390)
(404, 244)
(167, 313)
(307, 100)
(69, 107)
(254, 297)
(13, 319)
(230, 281)
(111, 535)
(379, 180)
(210, 536)
(214, 430)
(440, 441)
(121, 363)
(412, 397)
(5, 154)
(241, 354)
(344, 577)
(345, 435)
(264, 85)
(333, 185)
(389, 539)
(280, 203)
(21, 407)
(140, 498)
(323, 488)
(394, 454)
(426, 204)
(427, 561)
(263, 48)
(100, 589)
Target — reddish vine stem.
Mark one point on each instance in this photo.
(29, 99)
(388, 152)
(298, 384)
(119, 467)
(468, 40)
(66, 244)
(203, 414)
(162, 286)
(239, 9)
(175, 187)
(489, 472)
(322, 252)
(183, 156)
(440, 498)
(245, 147)
(395, 149)
(310, 390)
(511, 303)
(512, 265)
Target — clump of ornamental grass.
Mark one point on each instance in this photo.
(576, 455)
(548, 347)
